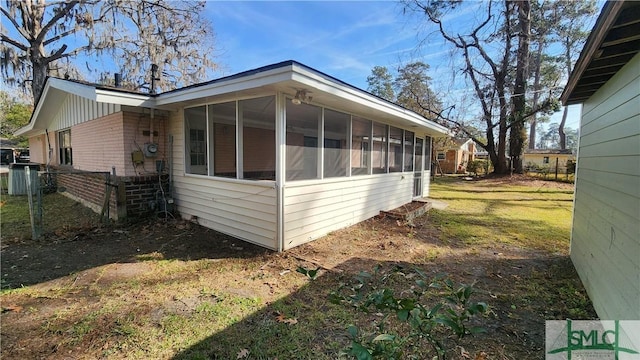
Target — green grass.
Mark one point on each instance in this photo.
(479, 213)
(196, 309)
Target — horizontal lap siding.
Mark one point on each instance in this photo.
(605, 243)
(237, 208)
(314, 210)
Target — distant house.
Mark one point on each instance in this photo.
(548, 159)
(605, 237)
(277, 156)
(454, 155)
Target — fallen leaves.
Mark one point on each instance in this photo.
(14, 308)
(281, 318)
(242, 354)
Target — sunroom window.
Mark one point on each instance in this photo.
(336, 152)
(258, 119)
(395, 149)
(379, 150)
(360, 146)
(223, 126)
(408, 150)
(302, 141)
(196, 143)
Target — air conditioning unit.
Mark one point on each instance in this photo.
(150, 150)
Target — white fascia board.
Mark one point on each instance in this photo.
(122, 98)
(321, 83)
(268, 77)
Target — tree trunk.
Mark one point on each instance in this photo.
(517, 133)
(563, 137)
(536, 97)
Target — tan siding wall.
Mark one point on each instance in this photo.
(38, 149)
(313, 210)
(605, 243)
(243, 209)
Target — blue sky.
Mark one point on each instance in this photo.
(345, 39)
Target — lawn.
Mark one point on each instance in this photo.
(174, 290)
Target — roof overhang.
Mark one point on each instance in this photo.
(56, 91)
(288, 77)
(614, 40)
(285, 77)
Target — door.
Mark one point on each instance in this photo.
(418, 168)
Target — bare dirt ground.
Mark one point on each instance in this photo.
(523, 287)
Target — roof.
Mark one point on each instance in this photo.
(614, 40)
(549, 151)
(286, 77)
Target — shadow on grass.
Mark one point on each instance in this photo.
(33, 262)
(522, 293)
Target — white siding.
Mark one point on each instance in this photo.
(241, 208)
(605, 242)
(77, 110)
(313, 209)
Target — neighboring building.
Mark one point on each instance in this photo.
(536, 159)
(277, 156)
(605, 238)
(453, 157)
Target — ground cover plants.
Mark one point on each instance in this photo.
(170, 289)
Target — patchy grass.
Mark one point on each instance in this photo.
(532, 214)
(61, 216)
(174, 290)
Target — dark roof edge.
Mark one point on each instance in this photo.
(605, 20)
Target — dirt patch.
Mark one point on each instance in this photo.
(84, 284)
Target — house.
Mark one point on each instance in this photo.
(605, 237)
(277, 156)
(548, 159)
(452, 156)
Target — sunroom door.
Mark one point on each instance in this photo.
(418, 168)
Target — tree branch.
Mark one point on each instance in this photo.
(15, 24)
(8, 40)
(52, 22)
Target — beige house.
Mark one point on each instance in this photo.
(548, 159)
(277, 156)
(605, 238)
(454, 156)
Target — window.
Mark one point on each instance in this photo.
(379, 150)
(336, 152)
(545, 160)
(258, 119)
(222, 121)
(64, 141)
(427, 153)
(395, 149)
(408, 150)
(196, 128)
(302, 141)
(360, 146)
(441, 155)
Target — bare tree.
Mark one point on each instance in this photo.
(44, 34)
(488, 50)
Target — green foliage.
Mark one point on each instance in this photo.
(477, 166)
(13, 116)
(451, 312)
(311, 274)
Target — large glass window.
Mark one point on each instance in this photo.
(379, 149)
(408, 150)
(336, 152)
(427, 153)
(258, 119)
(64, 139)
(395, 149)
(222, 120)
(360, 146)
(302, 141)
(196, 142)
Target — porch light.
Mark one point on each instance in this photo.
(300, 97)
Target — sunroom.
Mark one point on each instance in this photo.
(284, 154)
